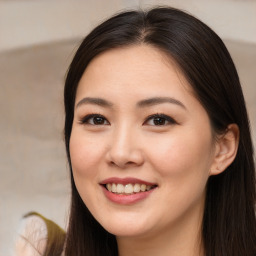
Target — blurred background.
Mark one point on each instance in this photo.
(37, 41)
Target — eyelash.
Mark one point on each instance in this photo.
(162, 117)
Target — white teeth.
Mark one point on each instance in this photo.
(114, 187)
(128, 188)
(136, 188)
(143, 187)
(109, 187)
(120, 188)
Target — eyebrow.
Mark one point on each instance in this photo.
(95, 101)
(159, 100)
(143, 103)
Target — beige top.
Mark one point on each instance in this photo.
(32, 237)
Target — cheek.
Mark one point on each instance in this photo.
(183, 164)
(84, 154)
(183, 154)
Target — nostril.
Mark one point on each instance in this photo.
(112, 163)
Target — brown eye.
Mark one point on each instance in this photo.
(159, 120)
(95, 119)
(98, 120)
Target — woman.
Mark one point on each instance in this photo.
(158, 141)
(120, 64)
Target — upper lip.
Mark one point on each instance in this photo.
(127, 180)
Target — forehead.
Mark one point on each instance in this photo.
(132, 57)
(143, 66)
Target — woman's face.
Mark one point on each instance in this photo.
(141, 144)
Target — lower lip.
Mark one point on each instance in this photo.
(126, 199)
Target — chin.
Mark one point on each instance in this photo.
(126, 232)
(124, 228)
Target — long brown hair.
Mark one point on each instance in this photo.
(229, 226)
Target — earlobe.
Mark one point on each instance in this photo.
(226, 149)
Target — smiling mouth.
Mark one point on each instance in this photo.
(128, 189)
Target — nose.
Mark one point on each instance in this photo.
(124, 149)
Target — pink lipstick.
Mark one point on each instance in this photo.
(127, 190)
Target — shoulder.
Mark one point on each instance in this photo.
(32, 236)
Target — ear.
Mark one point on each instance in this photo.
(225, 149)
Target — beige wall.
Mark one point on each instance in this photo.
(29, 22)
(33, 167)
(231, 19)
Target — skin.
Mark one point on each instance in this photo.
(178, 156)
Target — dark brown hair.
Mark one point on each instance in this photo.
(229, 226)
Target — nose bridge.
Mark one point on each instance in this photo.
(122, 143)
(124, 148)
